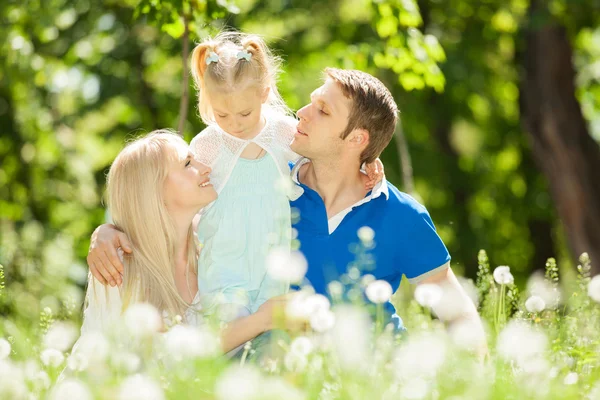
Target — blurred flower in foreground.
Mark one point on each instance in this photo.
(379, 291)
(61, 336)
(71, 389)
(502, 275)
(351, 337)
(4, 348)
(184, 341)
(238, 383)
(52, 358)
(428, 294)
(537, 285)
(420, 356)
(12, 385)
(520, 342)
(140, 387)
(594, 289)
(286, 266)
(142, 319)
(535, 304)
(322, 320)
(571, 379)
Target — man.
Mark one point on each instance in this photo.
(350, 120)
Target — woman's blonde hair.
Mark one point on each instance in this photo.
(228, 72)
(135, 188)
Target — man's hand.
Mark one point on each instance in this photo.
(103, 259)
(375, 173)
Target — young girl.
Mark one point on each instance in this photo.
(246, 144)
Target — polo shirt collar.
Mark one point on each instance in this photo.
(379, 189)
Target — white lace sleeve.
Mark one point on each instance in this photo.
(286, 133)
(102, 307)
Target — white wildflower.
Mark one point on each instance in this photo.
(295, 362)
(71, 389)
(142, 319)
(335, 289)
(420, 356)
(322, 320)
(366, 235)
(77, 362)
(301, 345)
(278, 388)
(571, 379)
(52, 358)
(239, 383)
(92, 346)
(520, 342)
(594, 288)
(428, 294)
(140, 387)
(126, 361)
(415, 389)
(286, 266)
(535, 304)
(351, 337)
(316, 302)
(61, 336)
(4, 348)
(379, 291)
(467, 334)
(537, 285)
(502, 275)
(12, 385)
(184, 341)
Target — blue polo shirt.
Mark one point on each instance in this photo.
(405, 240)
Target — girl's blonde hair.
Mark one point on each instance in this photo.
(135, 188)
(228, 72)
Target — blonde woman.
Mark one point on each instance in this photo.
(155, 188)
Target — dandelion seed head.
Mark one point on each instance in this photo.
(61, 336)
(502, 275)
(142, 319)
(286, 266)
(140, 387)
(379, 291)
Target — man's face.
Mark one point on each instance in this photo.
(322, 122)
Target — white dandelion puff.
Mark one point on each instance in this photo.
(594, 288)
(286, 266)
(52, 358)
(5, 348)
(379, 291)
(535, 304)
(142, 319)
(428, 294)
(502, 275)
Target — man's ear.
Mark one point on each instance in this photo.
(360, 137)
(265, 94)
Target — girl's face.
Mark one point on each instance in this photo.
(239, 113)
(187, 186)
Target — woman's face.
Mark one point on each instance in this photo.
(188, 187)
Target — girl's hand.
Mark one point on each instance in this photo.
(375, 173)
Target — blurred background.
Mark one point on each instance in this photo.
(499, 100)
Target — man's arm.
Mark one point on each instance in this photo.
(456, 307)
(103, 259)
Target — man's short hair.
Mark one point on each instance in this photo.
(373, 109)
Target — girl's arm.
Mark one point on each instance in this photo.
(241, 330)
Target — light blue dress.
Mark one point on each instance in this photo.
(250, 217)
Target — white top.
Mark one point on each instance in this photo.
(103, 308)
(335, 221)
(221, 151)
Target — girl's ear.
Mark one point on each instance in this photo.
(265, 95)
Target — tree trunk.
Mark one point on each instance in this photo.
(561, 145)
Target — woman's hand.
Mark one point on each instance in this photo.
(375, 173)
(103, 259)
